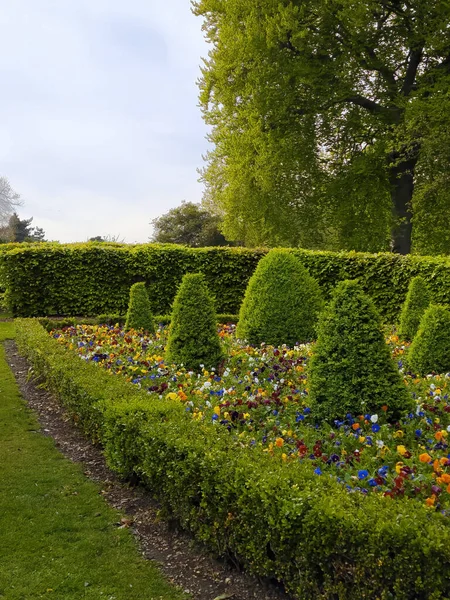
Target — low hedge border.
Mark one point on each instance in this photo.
(90, 279)
(278, 520)
(50, 323)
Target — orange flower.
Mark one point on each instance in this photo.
(439, 435)
(279, 442)
(425, 457)
(384, 407)
(445, 478)
(436, 466)
(355, 426)
(430, 501)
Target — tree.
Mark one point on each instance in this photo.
(188, 224)
(325, 115)
(20, 230)
(9, 199)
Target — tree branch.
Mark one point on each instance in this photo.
(415, 58)
(369, 105)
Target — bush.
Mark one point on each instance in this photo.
(281, 303)
(417, 301)
(193, 338)
(139, 314)
(90, 279)
(351, 369)
(278, 520)
(430, 349)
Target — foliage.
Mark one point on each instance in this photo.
(430, 349)
(189, 224)
(281, 304)
(416, 303)
(20, 230)
(193, 340)
(58, 537)
(324, 114)
(139, 314)
(279, 520)
(89, 279)
(351, 370)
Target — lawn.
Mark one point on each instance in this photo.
(58, 536)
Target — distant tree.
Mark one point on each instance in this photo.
(20, 230)
(9, 199)
(189, 224)
(107, 239)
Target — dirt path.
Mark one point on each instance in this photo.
(182, 561)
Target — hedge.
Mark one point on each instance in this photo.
(276, 519)
(89, 279)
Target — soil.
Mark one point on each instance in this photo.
(184, 563)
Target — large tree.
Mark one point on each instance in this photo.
(325, 115)
(189, 224)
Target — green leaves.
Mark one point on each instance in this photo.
(311, 104)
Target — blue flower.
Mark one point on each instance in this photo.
(300, 418)
(363, 474)
(307, 410)
(418, 432)
(318, 471)
(372, 482)
(376, 428)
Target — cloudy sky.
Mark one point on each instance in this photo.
(99, 125)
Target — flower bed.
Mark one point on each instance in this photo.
(276, 517)
(261, 399)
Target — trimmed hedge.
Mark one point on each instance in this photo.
(193, 339)
(90, 279)
(281, 304)
(430, 349)
(139, 314)
(278, 520)
(351, 369)
(416, 303)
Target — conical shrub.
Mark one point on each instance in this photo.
(417, 301)
(281, 303)
(430, 349)
(139, 314)
(193, 338)
(351, 369)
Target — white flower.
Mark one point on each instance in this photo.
(380, 443)
(374, 418)
(432, 386)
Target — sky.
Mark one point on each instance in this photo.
(100, 129)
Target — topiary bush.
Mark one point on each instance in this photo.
(139, 315)
(281, 303)
(193, 338)
(351, 369)
(417, 301)
(430, 349)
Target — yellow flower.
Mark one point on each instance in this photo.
(399, 433)
(398, 467)
(401, 450)
(284, 457)
(172, 396)
(217, 410)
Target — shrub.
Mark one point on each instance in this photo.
(351, 369)
(193, 338)
(139, 315)
(430, 349)
(281, 303)
(417, 301)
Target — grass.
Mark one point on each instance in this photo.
(59, 538)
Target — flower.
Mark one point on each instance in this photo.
(376, 428)
(374, 418)
(424, 457)
(363, 474)
(279, 442)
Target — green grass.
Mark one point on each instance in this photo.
(58, 537)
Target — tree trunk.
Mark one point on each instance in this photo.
(401, 177)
